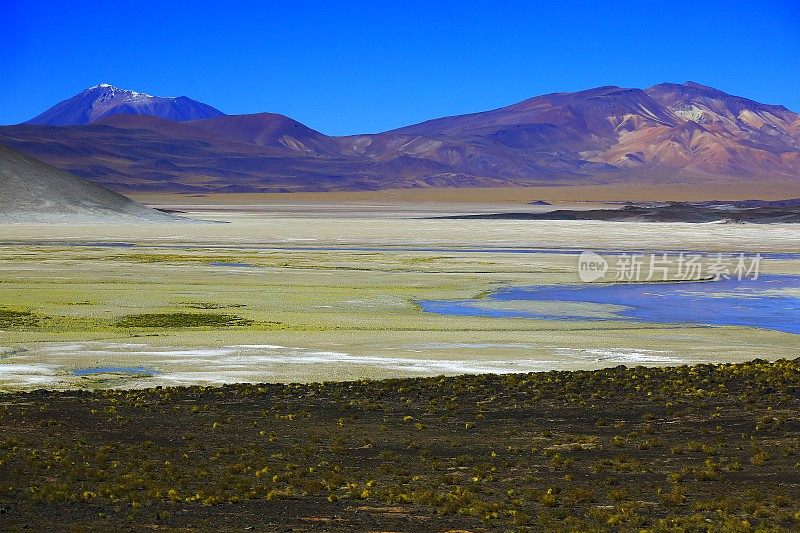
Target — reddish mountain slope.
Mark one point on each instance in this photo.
(269, 129)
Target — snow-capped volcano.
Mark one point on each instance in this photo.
(104, 99)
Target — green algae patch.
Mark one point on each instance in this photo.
(14, 319)
(181, 320)
(212, 305)
(175, 258)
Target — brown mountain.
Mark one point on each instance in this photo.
(270, 129)
(668, 133)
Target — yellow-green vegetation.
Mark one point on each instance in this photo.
(96, 289)
(181, 320)
(356, 302)
(690, 448)
(11, 319)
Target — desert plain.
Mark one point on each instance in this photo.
(310, 288)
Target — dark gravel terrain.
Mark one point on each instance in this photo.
(702, 448)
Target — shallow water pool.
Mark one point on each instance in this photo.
(135, 370)
(769, 302)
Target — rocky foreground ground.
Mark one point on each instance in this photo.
(702, 448)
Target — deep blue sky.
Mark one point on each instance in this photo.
(370, 66)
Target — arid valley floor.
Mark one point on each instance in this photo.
(315, 292)
(312, 291)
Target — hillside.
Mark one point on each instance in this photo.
(33, 192)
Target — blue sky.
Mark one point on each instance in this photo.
(350, 67)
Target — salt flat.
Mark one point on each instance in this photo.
(310, 292)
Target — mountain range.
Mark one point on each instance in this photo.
(668, 133)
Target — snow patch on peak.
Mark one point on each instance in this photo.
(105, 87)
(136, 94)
(112, 91)
(691, 112)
